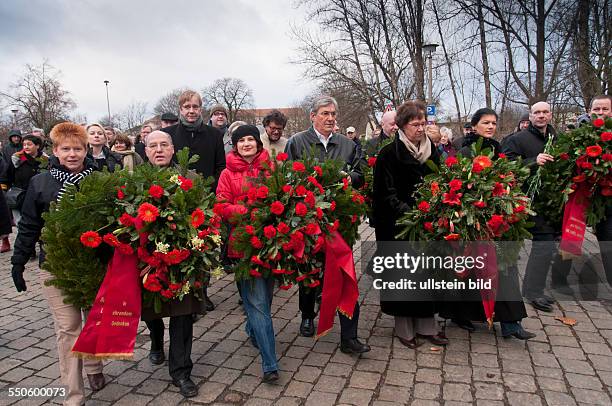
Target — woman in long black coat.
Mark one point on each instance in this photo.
(508, 313)
(400, 168)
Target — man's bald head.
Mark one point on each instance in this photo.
(540, 115)
(159, 148)
(387, 122)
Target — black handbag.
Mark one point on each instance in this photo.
(14, 197)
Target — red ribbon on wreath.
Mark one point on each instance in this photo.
(574, 222)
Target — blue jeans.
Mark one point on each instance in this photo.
(257, 301)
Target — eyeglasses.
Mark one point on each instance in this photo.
(191, 107)
(163, 145)
(276, 129)
(219, 113)
(417, 125)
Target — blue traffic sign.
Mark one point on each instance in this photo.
(431, 110)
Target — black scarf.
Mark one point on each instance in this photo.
(66, 178)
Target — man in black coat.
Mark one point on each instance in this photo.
(529, 145)
(328, 145)
(202, 140)
(389, 128)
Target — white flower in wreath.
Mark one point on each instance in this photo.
(175, 179)
(216, 238)
(161, 247)
(196, 242)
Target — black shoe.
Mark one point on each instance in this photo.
(437, 339)
(464, 324)
(270, 377)
(96, 381)
(548, 299)
(522, 334)
(541, 304)
(307, 328)
(157, 357)
(353, 346)
(187, 387)
(210, 306)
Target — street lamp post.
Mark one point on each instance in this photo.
(106, 82)
(14, 111)
(429, 50)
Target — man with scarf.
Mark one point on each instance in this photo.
(328, 145)
(202, 140)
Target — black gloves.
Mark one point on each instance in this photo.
(17, 273)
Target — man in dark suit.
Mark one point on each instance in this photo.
(328, 145)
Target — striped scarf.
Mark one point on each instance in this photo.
(67, 179)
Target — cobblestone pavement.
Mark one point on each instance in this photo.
(563, 365)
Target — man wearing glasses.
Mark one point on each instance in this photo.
(202, 140)
(272, 137)
(219, 120)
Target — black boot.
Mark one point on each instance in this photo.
(210, 306)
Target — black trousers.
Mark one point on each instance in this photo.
(542, 257)
(603, 231)
(348, 327)
(181, 336)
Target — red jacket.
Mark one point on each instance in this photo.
(233, 186)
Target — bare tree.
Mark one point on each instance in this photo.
(168, 103)
(232, 93)
(40, 96)
(132, 116)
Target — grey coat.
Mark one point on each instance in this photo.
(339, 147)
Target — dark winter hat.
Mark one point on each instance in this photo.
(169, 117)
(218, 107)
(524, 117)
(245, 130)
(467, 125)
(14, 133)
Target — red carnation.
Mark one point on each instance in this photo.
(501, 155)
(269, 232)
(255, 273)
(585, 165)
(318, 170)
(301, 190)
(126, 220)
(147, 212)
(287, 189)
(282, 157)
(91, 239)
(262, 192)
(564, 156)
(278, 271)
(120, 194)
(598, 122)
(301, 277)
(249, 229)
(450, 161)
(286, 287)
(455, 184)
(480, 204)
(424, 206)
(428, 225)
(156, 191)
(319, 213)
(483, 160)
(283, 228)
(452, 237)
(357, 198)
(167, 293)
(593, 151)
(497, 225)
(277, 208)
(314, 284)
(579, 178)
(301, 209)
(175, 286)
(197, 218)
(372, 161)
(607, 157)
(310, 199)
(111, 240)
(435, 188)
(452, 198)
(606, 136)
(498, 189)
(519, 209)
(298, 167)
(256, 243)
(186, 183)
(312, 229)
(477, 168)
(332, 207)
(152, 284)
(345, 183)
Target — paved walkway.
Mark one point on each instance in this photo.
(563, 365)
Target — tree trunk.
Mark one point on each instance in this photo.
(484, 56)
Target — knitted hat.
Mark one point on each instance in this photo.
(245, 130)
(218, 107)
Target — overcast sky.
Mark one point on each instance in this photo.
(147, 48)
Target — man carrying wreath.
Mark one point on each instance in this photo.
(326, 144)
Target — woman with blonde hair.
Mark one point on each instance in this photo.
(101, 154)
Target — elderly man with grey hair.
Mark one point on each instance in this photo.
(328, 145)
(529, 145)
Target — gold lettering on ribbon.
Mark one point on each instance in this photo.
(120, 324)
(124, 314)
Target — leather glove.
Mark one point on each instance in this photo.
(17, 274)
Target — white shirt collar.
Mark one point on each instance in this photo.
(322, 138)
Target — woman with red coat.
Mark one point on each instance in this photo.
(246, 160)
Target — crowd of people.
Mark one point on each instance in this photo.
(233, 154)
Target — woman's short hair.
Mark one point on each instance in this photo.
(65, 132)
(485, 111)
(408, 111)
(448, 132)
(33, 139)
(124, 139)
